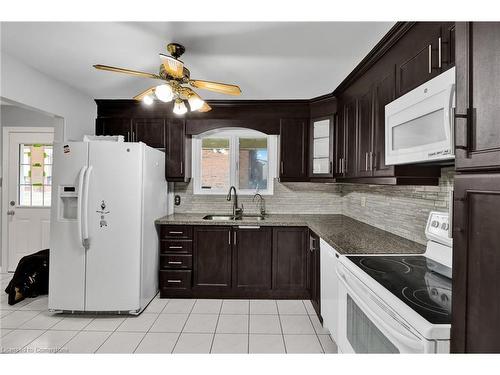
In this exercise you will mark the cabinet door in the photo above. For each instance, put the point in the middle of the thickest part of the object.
(212, 257)
(178, 152)
(114, 126)
(252, 256)
(476, 264)
(477, 125)
(420, 55)
(364, 140)
(384, 93)
(339, 151)
(151, 131)
(290, 258)
(448, 45)
(350, 135)
(321, 147)
(293, 148)
(314, 272)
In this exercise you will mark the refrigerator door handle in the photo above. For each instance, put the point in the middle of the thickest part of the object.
(85, 209)
(80, 203)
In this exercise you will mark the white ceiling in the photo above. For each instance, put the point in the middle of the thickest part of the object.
(268, 60)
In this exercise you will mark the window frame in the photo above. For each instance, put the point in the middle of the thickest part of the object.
(233, 134)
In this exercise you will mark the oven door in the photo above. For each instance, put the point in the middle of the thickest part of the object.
(367, 325)
(419, 125)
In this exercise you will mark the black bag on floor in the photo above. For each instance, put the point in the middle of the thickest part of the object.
(31, 278)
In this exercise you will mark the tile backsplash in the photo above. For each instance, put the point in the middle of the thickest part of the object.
(293, 198)
(401, 210)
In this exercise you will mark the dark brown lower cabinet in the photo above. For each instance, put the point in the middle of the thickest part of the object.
(476, 264)
(314, 273)
(212, 257)
(290, 258)
(252, 257)
(212, 261)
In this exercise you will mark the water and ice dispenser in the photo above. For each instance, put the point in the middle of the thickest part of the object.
(68, 203)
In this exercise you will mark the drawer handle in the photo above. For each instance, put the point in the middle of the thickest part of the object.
(174, 281)
(172, 262)
(174, 232)
(175, 247)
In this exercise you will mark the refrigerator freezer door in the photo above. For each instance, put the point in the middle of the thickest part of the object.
(114, 227)
(67, 255)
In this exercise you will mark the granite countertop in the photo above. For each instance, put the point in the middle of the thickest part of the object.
(346, 235)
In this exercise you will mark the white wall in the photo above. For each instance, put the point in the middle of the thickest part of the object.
(25, 85)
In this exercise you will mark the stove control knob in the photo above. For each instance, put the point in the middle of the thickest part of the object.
(435, 223)
(444, 226)
(444, 298)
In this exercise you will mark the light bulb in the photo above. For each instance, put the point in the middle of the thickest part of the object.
(164, 93)
(148, 100)
(179, 107)
(195, 102)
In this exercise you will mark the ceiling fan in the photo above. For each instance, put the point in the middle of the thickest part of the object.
(176, 84)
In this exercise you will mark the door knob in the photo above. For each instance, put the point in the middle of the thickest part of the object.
(11, 212)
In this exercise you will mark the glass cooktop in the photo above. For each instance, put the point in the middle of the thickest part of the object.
(421, 283)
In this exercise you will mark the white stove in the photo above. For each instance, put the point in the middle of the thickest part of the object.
(398, 303)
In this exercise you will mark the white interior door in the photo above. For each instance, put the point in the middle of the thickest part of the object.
(28, 193)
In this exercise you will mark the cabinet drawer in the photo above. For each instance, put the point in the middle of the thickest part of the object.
(175, 261)
(179, 279)
(176, 231)
(170, 246)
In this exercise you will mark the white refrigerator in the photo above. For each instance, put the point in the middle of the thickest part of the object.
(103, 240)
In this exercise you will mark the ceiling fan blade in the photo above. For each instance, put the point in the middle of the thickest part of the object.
(126, 71)
(222, 88)
(144, 93)
(205, 108)
(173, 67)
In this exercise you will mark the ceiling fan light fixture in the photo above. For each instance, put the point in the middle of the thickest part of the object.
(195, 102)
(148, 100)
(164, 93)
(179, 107)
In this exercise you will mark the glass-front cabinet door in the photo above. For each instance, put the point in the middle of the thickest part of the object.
(321, 165)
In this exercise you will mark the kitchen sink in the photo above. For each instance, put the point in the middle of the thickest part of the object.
(231, 217)
(219, 217)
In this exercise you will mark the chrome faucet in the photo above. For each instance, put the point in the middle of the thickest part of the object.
(237, 212)
(262, 203)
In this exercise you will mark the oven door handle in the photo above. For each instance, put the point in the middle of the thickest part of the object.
(410, 342)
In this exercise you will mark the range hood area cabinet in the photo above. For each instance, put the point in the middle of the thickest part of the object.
(409, 55)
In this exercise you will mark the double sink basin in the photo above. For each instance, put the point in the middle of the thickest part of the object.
(233, 217)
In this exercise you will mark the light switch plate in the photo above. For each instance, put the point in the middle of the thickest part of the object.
(363, 201)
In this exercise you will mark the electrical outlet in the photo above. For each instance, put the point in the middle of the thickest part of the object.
(177, 200)
(363, 201)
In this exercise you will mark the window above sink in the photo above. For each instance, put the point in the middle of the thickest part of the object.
(236, 157)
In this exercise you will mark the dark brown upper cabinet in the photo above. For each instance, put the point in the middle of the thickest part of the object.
(477, 115)
(421, 56)
(114, 126)
(212, 257)
(290, 258)
(293, 149)
(178, 151)
(321, 148)
(476, 264)
(384, 92)
(345, 138)
(365, 135)
(252, 258)
(339, 150)
(151, 131)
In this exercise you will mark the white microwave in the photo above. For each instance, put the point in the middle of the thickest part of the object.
(419, 124)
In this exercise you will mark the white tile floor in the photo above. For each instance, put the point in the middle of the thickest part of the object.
(166, 326)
